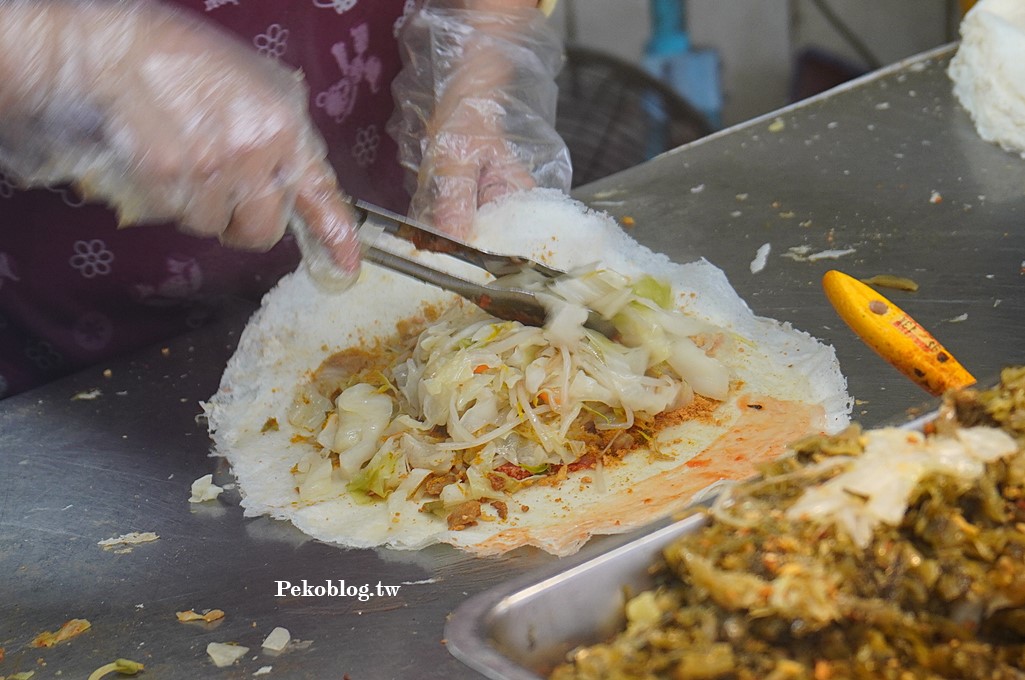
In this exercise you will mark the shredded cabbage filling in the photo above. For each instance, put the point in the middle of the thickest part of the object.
(478, 408)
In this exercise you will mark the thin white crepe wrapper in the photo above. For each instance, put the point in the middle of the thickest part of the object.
(298, 326)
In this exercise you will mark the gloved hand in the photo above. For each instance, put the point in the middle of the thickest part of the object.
(476, 108)
(166, 118)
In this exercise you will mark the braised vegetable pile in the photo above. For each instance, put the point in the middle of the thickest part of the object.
(914, 571)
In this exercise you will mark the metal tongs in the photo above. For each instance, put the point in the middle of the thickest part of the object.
(504, 302)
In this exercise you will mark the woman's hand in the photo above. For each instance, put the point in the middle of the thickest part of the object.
(476, 107)
(165, 118)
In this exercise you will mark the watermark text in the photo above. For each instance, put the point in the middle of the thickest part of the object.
(334, 588)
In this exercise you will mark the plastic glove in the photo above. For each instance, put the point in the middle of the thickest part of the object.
(166, 118)
(476, 109)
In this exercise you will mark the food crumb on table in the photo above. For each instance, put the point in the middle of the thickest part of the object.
(225, 653)
(87, 395)
(208, 616)
(761, 257)
(277, 640)
(129, 539)
(204, 489)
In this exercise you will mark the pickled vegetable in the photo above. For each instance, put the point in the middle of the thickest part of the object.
(936, 591)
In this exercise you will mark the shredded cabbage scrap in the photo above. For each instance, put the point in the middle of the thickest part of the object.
(481, 407)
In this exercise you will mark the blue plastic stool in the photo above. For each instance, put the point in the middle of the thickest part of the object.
(668, 56)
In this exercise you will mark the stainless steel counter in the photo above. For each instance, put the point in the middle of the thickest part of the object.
(890, 167)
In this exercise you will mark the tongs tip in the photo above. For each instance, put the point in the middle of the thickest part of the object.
(512, 302)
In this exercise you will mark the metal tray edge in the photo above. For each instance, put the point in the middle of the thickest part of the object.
(468, 640)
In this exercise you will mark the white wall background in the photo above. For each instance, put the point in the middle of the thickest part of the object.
(757, 39)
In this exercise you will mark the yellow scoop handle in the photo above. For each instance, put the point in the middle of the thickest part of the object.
(894, 335)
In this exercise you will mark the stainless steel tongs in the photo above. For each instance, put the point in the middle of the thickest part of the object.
(504, 302)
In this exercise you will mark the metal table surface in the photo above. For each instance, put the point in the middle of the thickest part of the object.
(889, 166)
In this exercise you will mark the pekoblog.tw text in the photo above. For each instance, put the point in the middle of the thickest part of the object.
(334, 588)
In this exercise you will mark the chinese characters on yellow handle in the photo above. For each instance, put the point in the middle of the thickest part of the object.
(894, 335)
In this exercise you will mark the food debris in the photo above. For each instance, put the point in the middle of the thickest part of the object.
(935, 197)
(891, 281)
(804, 254)
(204, 489)
(121, 666)
(87, 395)
(225, 653)
(209, 616)
(70, 629)
(777, 125)
(129, 539)
(758, 264)
(854, 569)
(830, 254)
(277, 640)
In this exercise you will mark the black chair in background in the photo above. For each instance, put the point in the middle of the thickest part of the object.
(614, 115)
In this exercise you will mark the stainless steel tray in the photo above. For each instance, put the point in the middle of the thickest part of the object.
(520, 630)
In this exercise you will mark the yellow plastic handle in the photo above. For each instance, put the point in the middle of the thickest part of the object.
(894, 335)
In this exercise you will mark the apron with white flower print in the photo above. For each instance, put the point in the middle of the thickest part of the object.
(75, 291)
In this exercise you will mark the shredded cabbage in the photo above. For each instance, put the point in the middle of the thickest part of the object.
(480, 406)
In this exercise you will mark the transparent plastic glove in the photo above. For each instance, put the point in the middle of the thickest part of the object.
(165, 118)
(476, 109)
